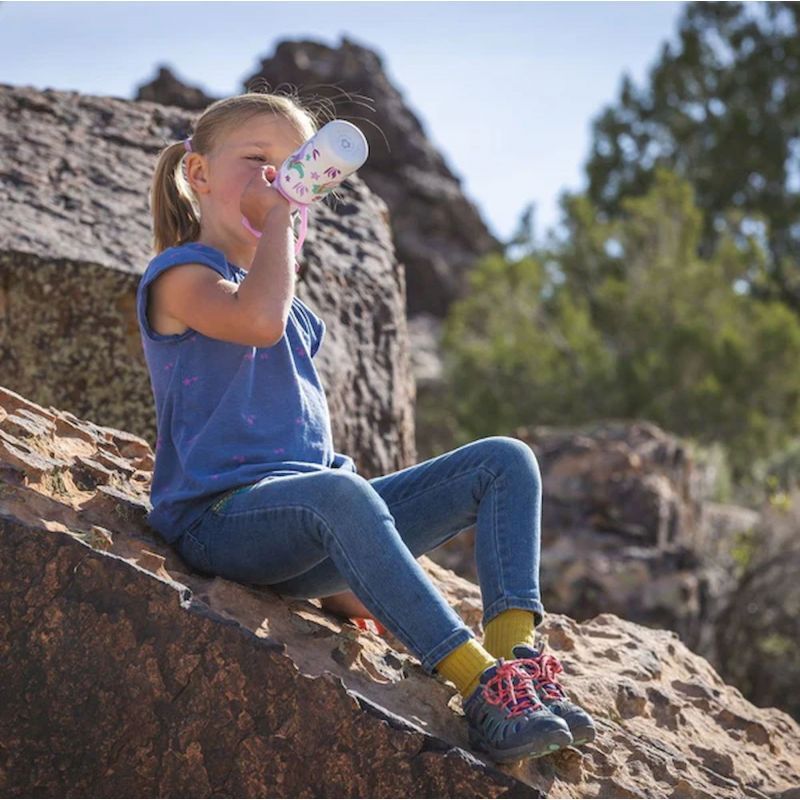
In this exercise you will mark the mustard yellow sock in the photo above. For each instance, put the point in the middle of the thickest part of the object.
(509, 627)
(464, 666)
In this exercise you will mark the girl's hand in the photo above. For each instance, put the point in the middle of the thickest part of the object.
(260, 197)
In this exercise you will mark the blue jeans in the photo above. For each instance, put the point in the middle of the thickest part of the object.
(314, 534)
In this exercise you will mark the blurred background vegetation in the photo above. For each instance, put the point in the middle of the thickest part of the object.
(670, 291)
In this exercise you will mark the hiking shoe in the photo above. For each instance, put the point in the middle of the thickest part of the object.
(543, 668)
(507, 720)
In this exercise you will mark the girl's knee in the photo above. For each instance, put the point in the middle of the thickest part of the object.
(344, 488)
(343, 480)
(512, 453)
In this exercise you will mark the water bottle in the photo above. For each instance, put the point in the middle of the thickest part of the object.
(332, 154)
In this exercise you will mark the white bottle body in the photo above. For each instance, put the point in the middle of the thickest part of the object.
(335, 151)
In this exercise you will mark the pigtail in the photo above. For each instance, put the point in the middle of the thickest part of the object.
(176, 216)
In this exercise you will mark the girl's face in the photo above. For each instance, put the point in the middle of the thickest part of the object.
(220, 177)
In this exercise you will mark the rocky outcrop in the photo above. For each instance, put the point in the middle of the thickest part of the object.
(438, 232)
(75, 236)
(626, 529)
(124, 673)
(167, 90)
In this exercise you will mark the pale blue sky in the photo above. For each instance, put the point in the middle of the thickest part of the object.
(506, 91)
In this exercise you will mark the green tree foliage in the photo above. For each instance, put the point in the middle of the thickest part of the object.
(721, 109)
(624, 320)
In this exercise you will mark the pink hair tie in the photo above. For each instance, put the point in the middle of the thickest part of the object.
(187, 143)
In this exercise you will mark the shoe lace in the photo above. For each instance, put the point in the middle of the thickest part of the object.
(543, 670)
(511, 688)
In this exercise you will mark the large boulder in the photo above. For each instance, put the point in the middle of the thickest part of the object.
(123, 673)
(75, 237)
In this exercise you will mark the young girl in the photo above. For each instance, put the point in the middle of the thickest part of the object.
(247, 484)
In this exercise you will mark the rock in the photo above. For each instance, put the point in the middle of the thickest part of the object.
(438, 232)
(167, 90)
(629, 480)
(124, 673)
(626, 529)
(424, 331)
(75, 238)
(435, 426)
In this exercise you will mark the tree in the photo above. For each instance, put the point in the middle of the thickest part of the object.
(722, 109)
(625, 320)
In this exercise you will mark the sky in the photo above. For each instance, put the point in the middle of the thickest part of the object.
(506, 91)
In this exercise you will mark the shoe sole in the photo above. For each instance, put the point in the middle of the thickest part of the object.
(558, 740)
(583, 735)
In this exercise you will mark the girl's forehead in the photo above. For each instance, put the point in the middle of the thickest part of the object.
(264, 140)
(266, 127)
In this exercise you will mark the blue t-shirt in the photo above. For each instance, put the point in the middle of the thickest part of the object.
(227, 414)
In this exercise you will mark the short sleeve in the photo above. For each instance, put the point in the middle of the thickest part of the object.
(171, 257)
(314, 325)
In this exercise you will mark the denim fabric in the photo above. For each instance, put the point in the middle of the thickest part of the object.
(309, 535)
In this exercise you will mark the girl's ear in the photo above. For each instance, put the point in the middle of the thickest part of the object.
(197, 167)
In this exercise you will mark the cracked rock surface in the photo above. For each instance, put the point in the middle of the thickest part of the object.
(75, 239)
(123, 673)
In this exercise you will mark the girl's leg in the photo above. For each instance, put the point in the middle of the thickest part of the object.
(494, 482)
(346, 605)
(281, 527)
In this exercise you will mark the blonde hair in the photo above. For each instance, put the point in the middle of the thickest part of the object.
(173, 206)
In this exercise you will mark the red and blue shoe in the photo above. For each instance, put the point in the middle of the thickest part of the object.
(543, 669)
(506, 718)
